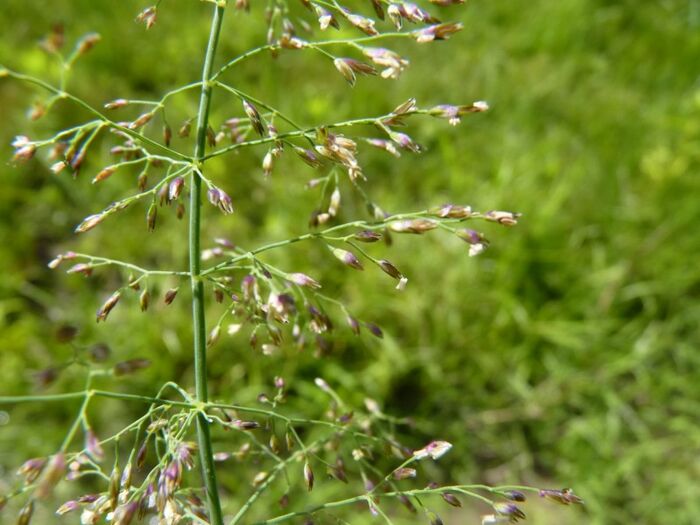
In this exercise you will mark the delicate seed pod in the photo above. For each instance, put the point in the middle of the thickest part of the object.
(53, 264)
(245, 425)
(114, 484)
(141, 456)
(259, 478)
(510, 511)
(144, 300)
(211, 137)
(175, 188)
(185, 129)
(268, 163)
(354, 324)
(116, 104)
(284, 501)
(130, 366)
(58, 167)
(322, 384)
(374, 330)
(367, 236)
(93, 446)
(163, 195)
(104, 174)
(405, 107)
(394, 11)
(76, 161)
(435, 519)
(170, 295)
(151, 217)
(452, 211)
(90, 222)
(364, 24)
(451, 499)
(563, 496)
(225, 203)
(167, 134)
(308, 476)
(514, 495)
(287, 41)
(308, 156)
(404, 473)
(107, 307)
(254, 116)
(302, 279)
(214, 335)
(416, 226)
(25, 514)
(141, 121)
(289, 440)
(68, 506)
(274, 444)
(347, 258)
(506, 218)
(222, 456)
(37, 111)
(322, 218)
(86, 43)
(83, 268)
(31, 469)
(404, 141)
(55, 470)
(434, 450)
(345, 70)
(477, 242)
(390, 269)
(142, 180)
(148, 16)
(436, 32)
(334, 204)
(214, 196)
(125, 513)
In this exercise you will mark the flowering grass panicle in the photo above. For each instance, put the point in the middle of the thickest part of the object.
(278, 309)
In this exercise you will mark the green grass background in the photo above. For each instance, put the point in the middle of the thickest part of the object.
(568, 354)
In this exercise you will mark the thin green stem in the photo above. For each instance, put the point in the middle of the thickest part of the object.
(355, 42)
(195, 260)
(80, 417)
(104, 261)
(365, 497)
(80, 102)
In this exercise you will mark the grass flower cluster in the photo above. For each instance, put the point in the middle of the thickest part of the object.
(141, 472)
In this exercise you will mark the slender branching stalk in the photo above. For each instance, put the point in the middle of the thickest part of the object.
(195, 230)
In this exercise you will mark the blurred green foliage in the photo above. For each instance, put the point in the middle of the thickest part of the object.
(566, 354)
